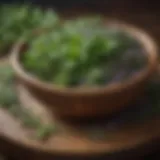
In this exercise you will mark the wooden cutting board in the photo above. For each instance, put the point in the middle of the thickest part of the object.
(70, 143)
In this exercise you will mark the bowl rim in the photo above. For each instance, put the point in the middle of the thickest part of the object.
(146, 41)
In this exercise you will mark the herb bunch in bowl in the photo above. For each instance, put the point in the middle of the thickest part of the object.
(81, 52)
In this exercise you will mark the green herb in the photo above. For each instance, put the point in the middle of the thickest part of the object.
(18, 20)
(9, 101)
(45, 131)
(78, 53)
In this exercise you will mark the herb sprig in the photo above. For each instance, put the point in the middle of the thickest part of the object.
(9, 101)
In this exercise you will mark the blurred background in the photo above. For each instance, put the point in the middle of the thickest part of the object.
(144, 14)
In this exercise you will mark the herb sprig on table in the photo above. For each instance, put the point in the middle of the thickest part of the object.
(9, 101)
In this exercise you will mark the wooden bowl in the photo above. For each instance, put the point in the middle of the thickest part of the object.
(90, 102)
